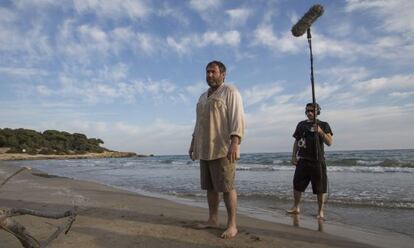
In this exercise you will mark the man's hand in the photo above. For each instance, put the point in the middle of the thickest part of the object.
(190, 153)
(294, 160)
(191, 149)
(232, 154)
(233, 149)
(326, 137)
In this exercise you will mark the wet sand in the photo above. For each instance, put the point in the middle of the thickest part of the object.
(109, 217)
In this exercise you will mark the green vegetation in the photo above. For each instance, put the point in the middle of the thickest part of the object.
(49, 142)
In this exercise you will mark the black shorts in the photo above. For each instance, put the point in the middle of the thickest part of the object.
(310, 171)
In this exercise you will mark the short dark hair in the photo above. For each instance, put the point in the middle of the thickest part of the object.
(318, 108)
(220, 65)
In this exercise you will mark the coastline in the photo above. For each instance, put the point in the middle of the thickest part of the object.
(110, 217)
(105, 154)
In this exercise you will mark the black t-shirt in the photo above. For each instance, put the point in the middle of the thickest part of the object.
(306, 139)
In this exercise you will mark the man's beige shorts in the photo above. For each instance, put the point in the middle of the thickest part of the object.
(217, 175)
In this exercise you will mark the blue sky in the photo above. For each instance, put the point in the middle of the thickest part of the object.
(130, 71)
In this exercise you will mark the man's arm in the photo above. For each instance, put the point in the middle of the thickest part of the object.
(326, 137)
(294, 160)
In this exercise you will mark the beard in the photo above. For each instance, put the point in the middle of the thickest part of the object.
(214, 83)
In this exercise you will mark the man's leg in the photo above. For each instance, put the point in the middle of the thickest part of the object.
(230, 200)
(296, 201)
(321, 205)
(301, 181)
(321, 185)
(213, 199)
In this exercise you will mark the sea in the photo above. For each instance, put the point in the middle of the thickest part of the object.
(368, 189)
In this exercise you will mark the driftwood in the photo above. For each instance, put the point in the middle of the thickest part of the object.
(19, 231)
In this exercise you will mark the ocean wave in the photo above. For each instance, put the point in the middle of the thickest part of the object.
(371, 163)
(344, 201)
(372, 203)
(359, 169)
(371, 169)
(283, 164)
(258, 167)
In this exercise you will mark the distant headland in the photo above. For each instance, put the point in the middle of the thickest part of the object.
(27, 144)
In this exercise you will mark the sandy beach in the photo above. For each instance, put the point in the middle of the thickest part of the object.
(109, 217)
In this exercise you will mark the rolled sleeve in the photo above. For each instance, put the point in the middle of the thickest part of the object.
(236, 113)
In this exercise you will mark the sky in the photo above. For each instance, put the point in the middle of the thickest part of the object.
(131, 71)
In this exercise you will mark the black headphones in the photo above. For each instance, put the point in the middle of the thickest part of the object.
(318, 108)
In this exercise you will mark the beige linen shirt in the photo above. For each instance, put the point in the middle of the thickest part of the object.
(219, 116)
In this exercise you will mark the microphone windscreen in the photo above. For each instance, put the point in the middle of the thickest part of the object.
(306, 21)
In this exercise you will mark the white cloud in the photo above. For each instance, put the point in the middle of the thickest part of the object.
(165, 138)
(167, 11)
(401, 94)
(349, 124)
(82, 43)
(114, 73)
(32, 43)
(24, 4)
(92, 34)
(382, 83)
(324, 46)
(270, 128)
(106, 85)
(346, 74)
(128, 129)
(203, 5)
(7, 16)
(259, 93)
(116, 9)
(187, 43)
(196, 89)
(396, 14)
(25, 72)
(231, 38)
(182, 46)
(380, 47)
(91, 128)
(238, 17)
(264, 35)
(125, 38)
(44, 90)
(345, 28)
(160, 87)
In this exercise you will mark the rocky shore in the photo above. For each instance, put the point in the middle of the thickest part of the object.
(106, 154)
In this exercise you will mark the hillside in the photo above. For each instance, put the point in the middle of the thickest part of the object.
(50, 142)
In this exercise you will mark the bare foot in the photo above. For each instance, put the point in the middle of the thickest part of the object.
(205, 225)
(320, 216)
(293, 211)
(230, 232)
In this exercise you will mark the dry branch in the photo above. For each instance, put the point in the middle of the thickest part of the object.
(19, 231)
(14, 174)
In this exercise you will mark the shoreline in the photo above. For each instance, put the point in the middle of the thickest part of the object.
(370, 237)
(110, 217)
(105, 154)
